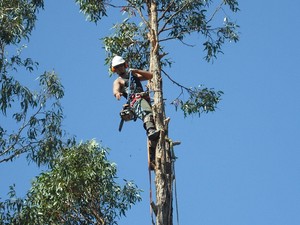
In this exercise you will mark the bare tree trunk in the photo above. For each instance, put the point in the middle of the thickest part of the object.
(163, 168)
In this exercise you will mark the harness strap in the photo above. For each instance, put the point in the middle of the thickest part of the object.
(136, 96)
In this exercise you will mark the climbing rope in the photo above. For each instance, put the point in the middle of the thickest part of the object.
(150, 185)
(173, 159)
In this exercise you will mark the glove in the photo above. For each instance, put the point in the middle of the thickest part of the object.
(131, 70)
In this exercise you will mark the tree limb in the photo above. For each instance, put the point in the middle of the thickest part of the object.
(165, 11)
(171, 17)
(175, 82)
(17, 137)
(216, 11)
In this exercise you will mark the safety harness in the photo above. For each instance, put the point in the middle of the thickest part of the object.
(128, 111)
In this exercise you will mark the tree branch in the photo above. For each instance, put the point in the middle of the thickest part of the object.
(165, 11)
(171, 17)
(16, 139)
(175, 82)
(180, 34)
(216, 11)
(138, 9)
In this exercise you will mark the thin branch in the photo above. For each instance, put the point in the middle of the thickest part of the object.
(180, 34)
(171, 17)
(175, 82)
(99, 219)
(12, 156)
(22, 149)
(215, 12)
(115, 6)
(142, 17)
(165, 11)
(2, 53)
(18, 135)
(189, 45)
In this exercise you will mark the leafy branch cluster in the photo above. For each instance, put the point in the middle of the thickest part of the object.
(177, 19)
(80, 186)
(80, 189)
(93, 9)
(182, 18)
(17, 19)
(201, 99)
(37, 115)
(129, 40)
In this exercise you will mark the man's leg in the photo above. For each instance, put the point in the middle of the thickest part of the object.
(144, 112)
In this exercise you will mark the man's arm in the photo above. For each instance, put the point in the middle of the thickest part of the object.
(142, 74)
(117, 89)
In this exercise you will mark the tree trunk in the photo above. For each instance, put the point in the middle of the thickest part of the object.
(163, 168)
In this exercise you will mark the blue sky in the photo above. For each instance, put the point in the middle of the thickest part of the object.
(237, 166)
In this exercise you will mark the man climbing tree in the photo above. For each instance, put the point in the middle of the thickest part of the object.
(128, 84)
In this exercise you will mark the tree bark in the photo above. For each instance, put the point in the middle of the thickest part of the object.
(163, 166)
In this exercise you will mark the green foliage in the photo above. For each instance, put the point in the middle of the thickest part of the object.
(177, 20)
(93, 9)
(233, 4)
(34, 117)
(187, 17)
(37, 115)
(17, 19)
(79, 189)
(10, 208)
(200, 100)
(130, 41)
(212, 45)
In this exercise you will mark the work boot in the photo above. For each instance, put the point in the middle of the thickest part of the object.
(153, 134)
(149, 126)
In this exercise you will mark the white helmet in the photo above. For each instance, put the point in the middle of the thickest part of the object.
(117, 60)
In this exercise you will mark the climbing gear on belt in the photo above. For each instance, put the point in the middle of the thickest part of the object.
(138, 104)
(135, 97)
(127, 112)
